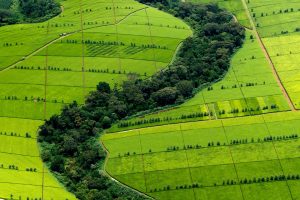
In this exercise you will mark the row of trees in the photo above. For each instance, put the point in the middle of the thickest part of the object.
(27, 135)
(69, 141)
(117, 7)
(218, 143)
(124, 124)
(34, 99)
(161, 25)
(274, 12)
(231, 182)
(51, 68)
(114, 43)
(6, 44)
(262, 179)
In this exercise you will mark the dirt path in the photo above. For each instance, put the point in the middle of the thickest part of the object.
(267, 55)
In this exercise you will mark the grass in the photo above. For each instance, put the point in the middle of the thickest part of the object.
(19, 149)
(41, 71)
(277, 24)
(223, 151)
(248, 85)
(198, 161)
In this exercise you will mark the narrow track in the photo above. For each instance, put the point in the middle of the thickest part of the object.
(267, 55)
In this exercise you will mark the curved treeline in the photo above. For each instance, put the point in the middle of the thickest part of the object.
(69, 140)
(20, 11)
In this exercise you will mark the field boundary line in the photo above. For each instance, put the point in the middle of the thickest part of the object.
(143, 162)
(17, 154)
(233, 162)
(271, 64)
(45, 103)
(117, 37)
(278, 158)
(188, 163)
(151, 40)
(82, 52)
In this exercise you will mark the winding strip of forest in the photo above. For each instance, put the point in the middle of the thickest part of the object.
(69, 141)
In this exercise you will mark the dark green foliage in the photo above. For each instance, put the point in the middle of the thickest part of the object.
(70, 140)
(27, 11)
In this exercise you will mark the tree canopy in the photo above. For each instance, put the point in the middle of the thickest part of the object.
(70, 140)
(19, 11)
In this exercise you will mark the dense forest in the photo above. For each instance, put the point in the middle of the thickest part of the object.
(20, 11)
(69, 140)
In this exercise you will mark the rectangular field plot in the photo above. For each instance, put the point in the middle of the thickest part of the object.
(174, 194)
(8, 189)
(165, 161)
(291, 166)
(209, 156)
(268, 191)
(122, 146)
(18, 145)
(21, 162)
(221, 192)
(172, 178)
(202, 137)
(125, 165)
(136, 181)
(253, 152)
(8, 125)
(294, 186)
(209, 176)
(246, 132)
(259, 169)
(161, 142)
(288, 149)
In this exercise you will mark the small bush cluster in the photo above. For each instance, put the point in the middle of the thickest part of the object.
(12, 44)
(51, 68)
(31, 169)
(27, 135)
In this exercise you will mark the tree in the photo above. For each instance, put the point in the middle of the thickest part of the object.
(106, 122)
(57, 164)
(185, 88)
(103, 87)
(165, 96)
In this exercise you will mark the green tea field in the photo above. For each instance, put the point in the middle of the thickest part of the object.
(235, 139)
(243, 158)
(45, 66)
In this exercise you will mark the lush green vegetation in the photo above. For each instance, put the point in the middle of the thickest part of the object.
(278, 25)
(69, 140)
(45, 66)
(19, 11)
(43, 69)
(249, 88)
(255, 157)
(240, 158)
